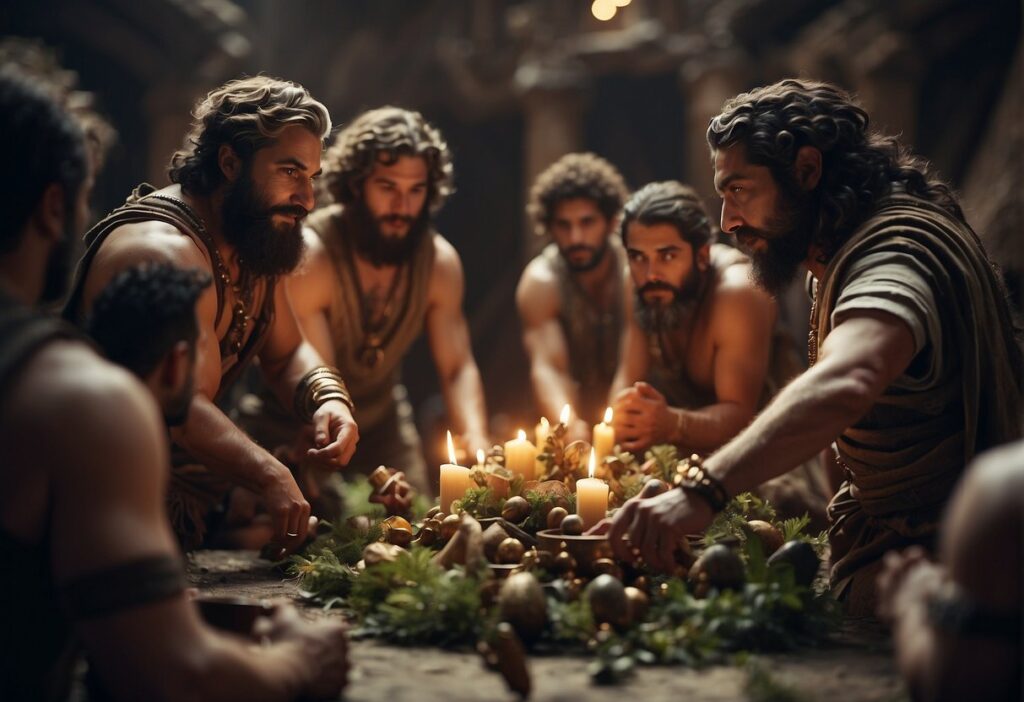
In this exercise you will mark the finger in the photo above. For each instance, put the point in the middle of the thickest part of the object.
(599, 529)
(647, 391)
(617, 531)
(321, 425)
(638, 533)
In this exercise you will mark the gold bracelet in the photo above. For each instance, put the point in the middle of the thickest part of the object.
(318, 386)
(691, 477)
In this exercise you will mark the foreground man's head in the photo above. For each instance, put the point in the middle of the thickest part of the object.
(392, 170)
(255, 144)
(576, 202)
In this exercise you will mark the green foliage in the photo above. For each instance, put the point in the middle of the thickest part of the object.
(762, 686)
(413, 601)
(481, 503)
(667, 457)
(322, 576)
(540, 504)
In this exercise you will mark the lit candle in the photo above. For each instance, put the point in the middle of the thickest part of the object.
(541, 432)
(591, 497)
(454, 479)
(604, 436)
(481, 458)
(521, 456)
(565, 415)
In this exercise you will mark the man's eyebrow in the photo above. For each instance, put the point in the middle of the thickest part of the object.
(669, 247)
(721, 185)
(292, 161)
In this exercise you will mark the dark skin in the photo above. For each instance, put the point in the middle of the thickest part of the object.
(858, 360)
(284, 172)
(84, 462)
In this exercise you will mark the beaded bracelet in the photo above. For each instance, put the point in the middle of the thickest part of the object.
(318, 386)
(691, 477)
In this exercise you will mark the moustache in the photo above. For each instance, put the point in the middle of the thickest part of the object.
(655, 285)
(397, 219)
(579, 248)
(291, 210)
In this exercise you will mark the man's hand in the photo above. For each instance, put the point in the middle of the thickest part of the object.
(908, 579)
(651, 529)
(642, 417)
(288, 510)
(324, 644)
(335, 435)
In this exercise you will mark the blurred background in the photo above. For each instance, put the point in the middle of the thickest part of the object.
(514, 84)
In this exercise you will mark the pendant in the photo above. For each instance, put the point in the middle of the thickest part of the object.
(371, 356)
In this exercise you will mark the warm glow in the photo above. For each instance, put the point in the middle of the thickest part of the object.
(545, 423)
(451, 449)
(603, 10)
(480, 457)
(621, 3)
(564, 416)
(608, 416)
(521, 435)
(592, 465)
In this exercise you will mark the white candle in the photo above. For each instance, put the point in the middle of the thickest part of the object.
(521, 456)
(604, 436)
(454, 479)
(541, 431)
(591, 497)
(565, 415)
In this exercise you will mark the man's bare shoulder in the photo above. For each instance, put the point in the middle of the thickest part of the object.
(315, 257)
(538, 289)
(447, 263)
(71, 394)
(150, 241)
(736, 294)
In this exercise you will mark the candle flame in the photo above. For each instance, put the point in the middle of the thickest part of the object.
(451, 449)
(564, 416)
(521, 435)
(608, 416)
(592, 465)
(480, 457)
(545, 423)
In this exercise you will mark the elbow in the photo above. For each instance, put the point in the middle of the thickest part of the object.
(856, 390)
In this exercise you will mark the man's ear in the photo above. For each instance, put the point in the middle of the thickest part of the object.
(229, 162)
(807, 167)
(51, 212)
(703, 257)
(176, 366)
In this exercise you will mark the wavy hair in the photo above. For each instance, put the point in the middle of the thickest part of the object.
(385, 134)
(858, 166)
(579, 175)
(669, 202)
(247, 115)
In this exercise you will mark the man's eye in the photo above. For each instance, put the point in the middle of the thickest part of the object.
(290, 172)
(736, 189)
(668, 256)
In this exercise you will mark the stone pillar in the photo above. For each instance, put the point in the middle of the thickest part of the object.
(553, 126)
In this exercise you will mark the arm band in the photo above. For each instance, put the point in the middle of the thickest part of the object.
(318, 386)
(692, 478)
(123, 586)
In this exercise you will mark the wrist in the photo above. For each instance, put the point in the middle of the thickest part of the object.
(695, 480)
(674, 426)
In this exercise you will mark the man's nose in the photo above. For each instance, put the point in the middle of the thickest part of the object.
(731, 219)
(304, 196)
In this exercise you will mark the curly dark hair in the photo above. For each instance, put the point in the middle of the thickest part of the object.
(144, 311)
(385, 134)
(581, 175)
(247, 114)
(668, 202)
(858, 166)
(45, 144)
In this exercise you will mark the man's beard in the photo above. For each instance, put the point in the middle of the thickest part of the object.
(787, 237)
(176, 409)
(57, 276)
(382, 249)
(662, 317)
(265, 249)
(597, 255)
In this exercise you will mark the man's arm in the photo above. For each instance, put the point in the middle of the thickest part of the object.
(538, 301)
(309, 288)
(207, 433)
(634, 358)
(448, 334)
(108, 468)
(860, 358)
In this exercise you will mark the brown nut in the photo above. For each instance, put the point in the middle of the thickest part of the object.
(427, 536)
(399, 537)
(606, 566)
(771, 538)
(516, 509)
(563, 563)
(510, 550)
(545, 559)
(433, 512)
(572, 525)
(493, 536)
(639, 603)
(555, 517)
(449, 525)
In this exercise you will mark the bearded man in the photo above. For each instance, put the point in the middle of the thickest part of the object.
(376, 273)
(241, 188)
(915, 367)
(570, 296)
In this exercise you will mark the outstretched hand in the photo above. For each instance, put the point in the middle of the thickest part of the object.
(335, 435)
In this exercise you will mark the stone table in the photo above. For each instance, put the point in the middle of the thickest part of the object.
(856, 665)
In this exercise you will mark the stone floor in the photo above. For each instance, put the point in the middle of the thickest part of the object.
(855, 666)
